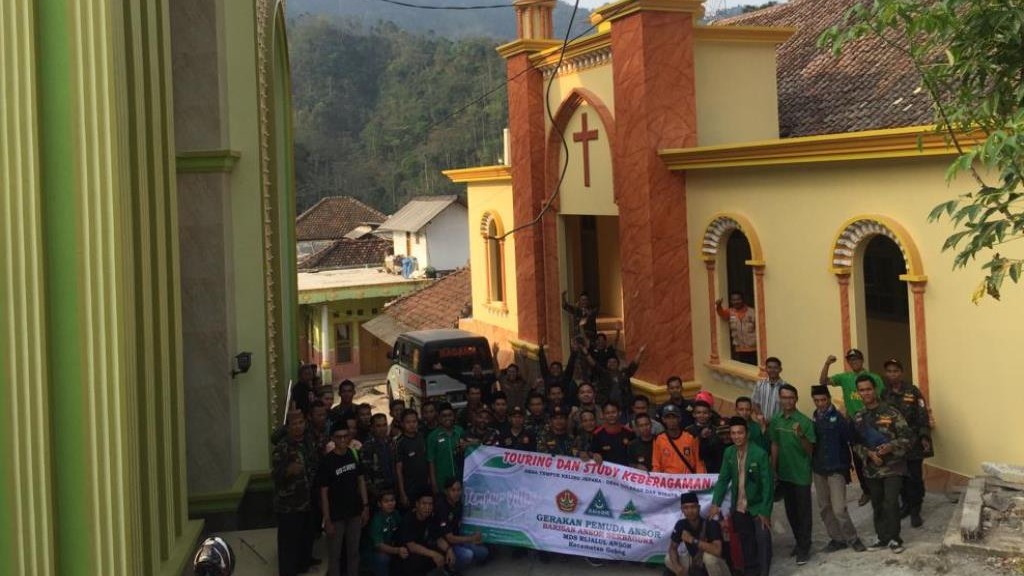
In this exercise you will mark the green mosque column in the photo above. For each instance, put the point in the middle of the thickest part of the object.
(96, 343)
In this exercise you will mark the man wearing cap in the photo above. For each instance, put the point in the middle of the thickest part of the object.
(852, 401)
(883, 439)
(556, 440)
(517, 437)
(705, 429)
(676, 451)
(747, 476)
(831, 466)
(908, 399)
(793, 438)
(702, 540)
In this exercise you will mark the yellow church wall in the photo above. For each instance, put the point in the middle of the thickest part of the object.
(495, 198)
(575, 197)
(796, 212)
(742, 105)
(596, 80)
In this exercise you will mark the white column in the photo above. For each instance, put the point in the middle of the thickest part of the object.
(326, 342)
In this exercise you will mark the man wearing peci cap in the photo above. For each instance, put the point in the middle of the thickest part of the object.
(831, 465)
(908, 399)
(556, 440)
(702, 540)
(852, 401)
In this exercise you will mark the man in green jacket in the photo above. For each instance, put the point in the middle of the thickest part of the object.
(747, 475)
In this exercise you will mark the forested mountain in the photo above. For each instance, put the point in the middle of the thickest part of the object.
(499, 24)
(375, 110)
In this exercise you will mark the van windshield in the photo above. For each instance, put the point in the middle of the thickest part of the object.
(456, 358)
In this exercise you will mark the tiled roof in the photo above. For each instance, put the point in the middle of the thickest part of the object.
(417, 213)
(437, 305)
(369, 251)
(870, 86)
(333, 217)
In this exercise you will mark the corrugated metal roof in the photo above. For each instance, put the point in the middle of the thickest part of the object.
(417, 213)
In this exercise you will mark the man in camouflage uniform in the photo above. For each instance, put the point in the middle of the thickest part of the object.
(883, 439)
(536, 415)
(556, 440)
(479, 433)
(906, 398)
(291, 496)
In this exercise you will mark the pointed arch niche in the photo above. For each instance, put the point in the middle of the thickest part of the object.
(847, 255)
(714, 253)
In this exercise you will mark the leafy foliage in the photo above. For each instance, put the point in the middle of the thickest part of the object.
(373, 110)
(970, 54)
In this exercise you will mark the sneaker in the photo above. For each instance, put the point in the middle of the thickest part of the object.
(802, 558)
(916, 521)
(896, 547)
(864, 499)
(878, 545)
(857, 546)
(834, 546)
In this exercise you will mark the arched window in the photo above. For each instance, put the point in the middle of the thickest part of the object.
(735, 265)
(885, 315)
(491, 230)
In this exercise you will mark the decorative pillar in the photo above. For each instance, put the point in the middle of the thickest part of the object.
(709, 264)
(844, 308)
(920, 336)
(655, 108)
(762, 329)
(325, 343)
(526, 118)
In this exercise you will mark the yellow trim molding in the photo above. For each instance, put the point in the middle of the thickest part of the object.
(519, 46)
(498, 173)
(868, 145)
(755, 34)
(575, 49)
(616, 10)
(659, 392)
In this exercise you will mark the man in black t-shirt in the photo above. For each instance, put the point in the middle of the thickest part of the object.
(702, 540)
(468, 549)
(428, 550)
(343, 502)
(641, 449)
(411, 470)
(611, 441)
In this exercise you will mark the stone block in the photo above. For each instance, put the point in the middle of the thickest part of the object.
(1006, 472)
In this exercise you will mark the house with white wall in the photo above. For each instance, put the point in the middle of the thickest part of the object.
(432, 229)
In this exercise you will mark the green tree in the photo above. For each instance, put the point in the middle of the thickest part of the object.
(970, 55)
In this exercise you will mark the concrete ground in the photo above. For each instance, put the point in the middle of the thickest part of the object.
(924, 555)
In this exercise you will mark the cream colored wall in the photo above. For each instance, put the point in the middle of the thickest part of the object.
(597, 80)
(741, 105)
(495, 198)
(796, 212)
(575, 197)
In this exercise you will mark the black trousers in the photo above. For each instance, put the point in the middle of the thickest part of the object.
(292, 535)
(756, 542)
(798, 512)
(885, 504)
(858, 467)
(912, 493)
(416, 565)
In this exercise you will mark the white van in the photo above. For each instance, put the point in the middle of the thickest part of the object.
(434, 364)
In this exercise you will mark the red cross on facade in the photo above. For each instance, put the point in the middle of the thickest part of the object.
(585, 136)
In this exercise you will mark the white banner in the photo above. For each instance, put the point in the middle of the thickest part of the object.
(562, 504)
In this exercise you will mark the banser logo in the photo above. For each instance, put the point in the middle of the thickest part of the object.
(599, 506)
(567, 501)
(630, 513)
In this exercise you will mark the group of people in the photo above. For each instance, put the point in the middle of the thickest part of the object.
(394, 480)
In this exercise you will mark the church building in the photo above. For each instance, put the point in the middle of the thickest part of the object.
(702, 160)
